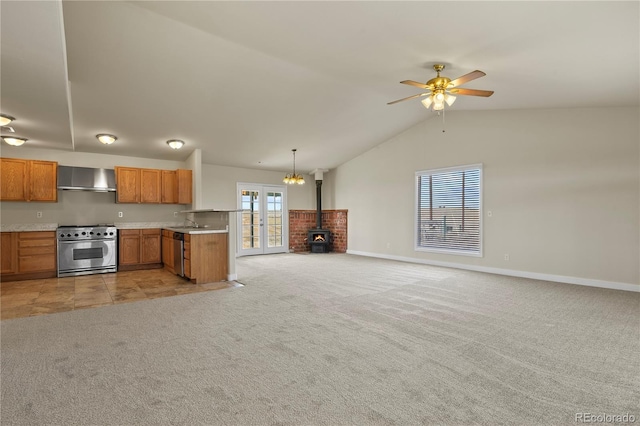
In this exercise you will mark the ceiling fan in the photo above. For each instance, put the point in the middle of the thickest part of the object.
(442, 89)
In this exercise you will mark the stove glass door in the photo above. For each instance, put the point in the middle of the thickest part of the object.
(85, 257)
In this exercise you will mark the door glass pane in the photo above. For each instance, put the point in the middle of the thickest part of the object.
(250, 219)
(274, 219)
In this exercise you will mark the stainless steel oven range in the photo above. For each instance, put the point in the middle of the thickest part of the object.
(84, 250)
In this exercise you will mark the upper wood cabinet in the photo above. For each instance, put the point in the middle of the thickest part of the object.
(150, 186)
(127, 185)
(169, 187)
(185, 186)
(135, 185)
(28, 180)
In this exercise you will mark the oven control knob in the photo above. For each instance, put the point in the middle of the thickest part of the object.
(76, 235)
(98, 233)
(91, 233)
(84, 233)
(61, 235)
(68, 235)
(110, 233)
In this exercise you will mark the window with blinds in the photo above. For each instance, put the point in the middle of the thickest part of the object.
(449, 210)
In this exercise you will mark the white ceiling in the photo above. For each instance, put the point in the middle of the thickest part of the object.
(246, 82)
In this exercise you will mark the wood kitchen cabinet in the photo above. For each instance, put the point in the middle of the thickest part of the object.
(8, 253)
(205, 257)
(185, 186)
(135, 185)
(169, 187)
(28, 180)
(139, 249)
(150, 186)
(167, 250)
(28, 255)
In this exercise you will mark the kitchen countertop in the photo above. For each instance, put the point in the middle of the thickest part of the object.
(171, 226)
(28, 227)
(184, 230)
(147, 225)
(211, 210)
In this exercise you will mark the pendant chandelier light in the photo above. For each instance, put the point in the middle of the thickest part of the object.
(293, 178)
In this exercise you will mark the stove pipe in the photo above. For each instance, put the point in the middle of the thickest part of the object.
(319, 204)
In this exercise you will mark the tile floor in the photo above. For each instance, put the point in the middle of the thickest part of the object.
(47, 296)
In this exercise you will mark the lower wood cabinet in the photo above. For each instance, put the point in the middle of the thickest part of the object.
(28, 255)
(167, 250)
(8, 253)
(205, 257)
(139, 249)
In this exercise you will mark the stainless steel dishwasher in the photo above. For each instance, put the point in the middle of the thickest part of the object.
(178, 253)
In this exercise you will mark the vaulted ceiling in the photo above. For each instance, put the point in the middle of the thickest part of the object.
(245, 82)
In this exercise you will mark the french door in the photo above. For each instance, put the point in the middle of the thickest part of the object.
(263, 221)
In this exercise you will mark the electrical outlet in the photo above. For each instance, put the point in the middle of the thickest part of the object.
(39, 215)
(506, 257)
(175, 214)
(489, 213)
(388, 245)
(120, 214)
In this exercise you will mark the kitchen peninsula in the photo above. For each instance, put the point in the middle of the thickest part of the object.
(205, 251)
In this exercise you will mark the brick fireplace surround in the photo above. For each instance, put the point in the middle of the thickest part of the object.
(301, 221)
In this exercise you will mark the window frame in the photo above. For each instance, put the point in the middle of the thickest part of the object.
(416, 231)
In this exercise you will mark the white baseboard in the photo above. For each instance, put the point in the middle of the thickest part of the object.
(232, 277)
(510, 272)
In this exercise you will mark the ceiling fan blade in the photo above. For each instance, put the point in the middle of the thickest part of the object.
(410, 97)
(467, 77)
(471, 92)
(415, 83)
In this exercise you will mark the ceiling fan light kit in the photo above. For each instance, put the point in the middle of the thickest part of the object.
(442, 89)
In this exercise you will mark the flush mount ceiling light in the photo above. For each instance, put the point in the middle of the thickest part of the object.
(5, 119)
(293, 178)
(11, 140)
(106, 139)
(175, 143)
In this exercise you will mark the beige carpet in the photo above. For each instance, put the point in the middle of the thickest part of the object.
(332, 340)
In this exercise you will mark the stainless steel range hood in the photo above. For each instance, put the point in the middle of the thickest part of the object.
(86, 179)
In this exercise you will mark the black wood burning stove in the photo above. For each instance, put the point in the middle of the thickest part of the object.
(319, 239)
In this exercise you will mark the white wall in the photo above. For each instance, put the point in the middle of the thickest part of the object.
(219, 185)
(85, 208)
(563, 187)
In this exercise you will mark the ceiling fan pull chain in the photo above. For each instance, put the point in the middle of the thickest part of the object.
(442, 120)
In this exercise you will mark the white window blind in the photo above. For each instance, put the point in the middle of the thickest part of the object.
(449, 210)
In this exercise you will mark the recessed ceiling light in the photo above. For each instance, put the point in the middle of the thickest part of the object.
(106, 139)
(5, 119)
(175, 143)
(14, 141)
